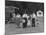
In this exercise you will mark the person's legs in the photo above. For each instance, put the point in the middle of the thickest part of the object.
(33, 22)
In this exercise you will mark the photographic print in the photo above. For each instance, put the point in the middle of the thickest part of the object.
(22, 17)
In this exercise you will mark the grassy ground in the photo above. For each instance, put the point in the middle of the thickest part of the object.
(11, 28)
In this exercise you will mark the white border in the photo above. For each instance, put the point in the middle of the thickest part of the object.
(2, 17)
(29, 0)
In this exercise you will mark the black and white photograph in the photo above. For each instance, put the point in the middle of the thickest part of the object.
(23, 17)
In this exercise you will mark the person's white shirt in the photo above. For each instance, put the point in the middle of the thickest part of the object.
(34, 15)
(25, 15)
(18, 15)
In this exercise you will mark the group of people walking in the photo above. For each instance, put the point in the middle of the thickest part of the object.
(25, 20)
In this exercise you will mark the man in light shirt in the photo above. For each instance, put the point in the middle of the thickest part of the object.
(25, 17)
(33, 19)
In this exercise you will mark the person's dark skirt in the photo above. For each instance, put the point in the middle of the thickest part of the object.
(25, 23)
